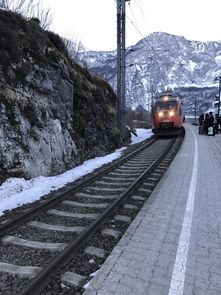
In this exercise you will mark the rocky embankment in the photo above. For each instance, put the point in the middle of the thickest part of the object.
(53, 113)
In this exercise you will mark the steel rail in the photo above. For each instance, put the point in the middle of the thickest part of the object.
(30, 213)
(37, 285)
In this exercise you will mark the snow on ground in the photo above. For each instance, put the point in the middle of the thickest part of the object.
(15, 192)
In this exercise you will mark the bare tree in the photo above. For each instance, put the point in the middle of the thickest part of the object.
(73, 45)
(29, 9)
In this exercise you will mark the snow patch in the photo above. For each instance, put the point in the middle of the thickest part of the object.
(218, 59)
(191, 65)
(15, 192)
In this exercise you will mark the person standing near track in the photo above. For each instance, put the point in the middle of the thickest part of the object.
(211, 119)
(206, 123)
(201, 119)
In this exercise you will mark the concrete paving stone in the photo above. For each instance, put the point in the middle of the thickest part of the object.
(115, 289)
(152, 229)
(168, 248)
(215, 282)
(140, 289)
(198, 282)
(166, 261)
(161, 276)
(193, 290)
(124, 261)
(140, 251)
(150, 245)
(195, 249)
(171, 237)
(208, 261)
(146, 272)
(122, 270)
(115, 276)
(152, 235)
(131, 281)
(156, 289)
(174, 228)
(200, 270)
(138, 257)
(137, 265)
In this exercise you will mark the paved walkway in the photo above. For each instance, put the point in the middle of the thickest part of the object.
(173, 247)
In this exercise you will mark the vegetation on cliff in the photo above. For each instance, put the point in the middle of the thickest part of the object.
(54, 113)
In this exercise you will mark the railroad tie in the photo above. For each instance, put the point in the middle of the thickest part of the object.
(90, 196)
(111, 233)
(33, 244)
(73, 215)
(95, 251)
(72, 279)
(122, 218)
(87, 205)
(76, 229)
(21, 271)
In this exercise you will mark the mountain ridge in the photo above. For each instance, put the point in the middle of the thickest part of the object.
(161, 61)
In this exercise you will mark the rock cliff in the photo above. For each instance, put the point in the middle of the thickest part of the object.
(53, 113)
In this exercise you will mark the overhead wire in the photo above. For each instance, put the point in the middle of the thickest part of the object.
(155, 36)
(146, 41)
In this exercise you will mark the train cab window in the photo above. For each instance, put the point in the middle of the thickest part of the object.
(169, 105)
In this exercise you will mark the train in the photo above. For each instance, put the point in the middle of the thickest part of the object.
(167, 115)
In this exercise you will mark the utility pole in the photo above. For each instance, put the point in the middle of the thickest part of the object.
(219, 97)
(121, 66)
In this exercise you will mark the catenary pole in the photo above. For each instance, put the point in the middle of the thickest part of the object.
(121, 66)
(119, 29)
(219, 97)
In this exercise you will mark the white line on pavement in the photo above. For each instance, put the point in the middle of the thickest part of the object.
(179, 270)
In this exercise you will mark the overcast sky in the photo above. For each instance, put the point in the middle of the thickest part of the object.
(94, 21)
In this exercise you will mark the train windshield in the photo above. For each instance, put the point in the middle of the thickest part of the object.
(165, 106)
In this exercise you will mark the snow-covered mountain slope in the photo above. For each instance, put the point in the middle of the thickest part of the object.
(163, 61)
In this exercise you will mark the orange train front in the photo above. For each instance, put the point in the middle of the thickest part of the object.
(167, 114)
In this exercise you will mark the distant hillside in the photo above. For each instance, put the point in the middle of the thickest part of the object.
(53, 113)
(163, 61)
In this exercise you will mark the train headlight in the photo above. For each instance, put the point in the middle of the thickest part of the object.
(160, 114)
(171, 113)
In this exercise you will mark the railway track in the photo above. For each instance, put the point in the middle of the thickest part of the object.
(53, 248)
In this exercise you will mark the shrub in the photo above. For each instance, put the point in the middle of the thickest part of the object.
(57, 42)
